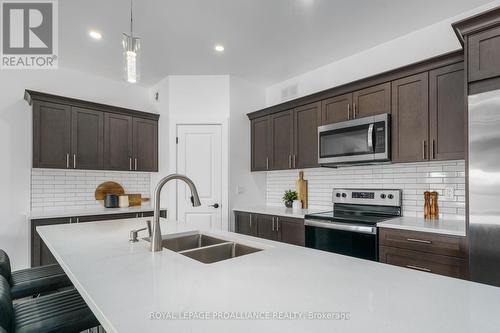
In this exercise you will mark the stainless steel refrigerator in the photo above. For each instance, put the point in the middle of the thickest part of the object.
(484, 187)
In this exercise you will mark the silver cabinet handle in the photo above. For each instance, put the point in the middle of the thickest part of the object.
(277, 224)
(433, 148)
(423, 269)
(136, 164)
(74, 161)
(423, 150)
(289, 161)
(294, 161)
(354, 110)
(67, 160)
(348, 111)
(130, 163)
(267, 163)
(419, 241)
(77, 220)
(250, 221)
(273, 223)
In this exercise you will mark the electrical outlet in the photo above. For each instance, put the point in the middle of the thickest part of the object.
(449, 193)
(240, 189)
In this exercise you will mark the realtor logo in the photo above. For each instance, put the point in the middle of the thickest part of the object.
(29, 34)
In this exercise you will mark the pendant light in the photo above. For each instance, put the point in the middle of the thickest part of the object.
(131, 48)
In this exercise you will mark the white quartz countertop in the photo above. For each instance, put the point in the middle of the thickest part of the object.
(441, 226)
(88, 212)
(276, 211)
(124, 284)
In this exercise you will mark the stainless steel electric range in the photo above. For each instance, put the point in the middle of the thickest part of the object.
(351, 228)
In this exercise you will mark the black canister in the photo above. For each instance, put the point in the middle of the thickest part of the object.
(111, 201)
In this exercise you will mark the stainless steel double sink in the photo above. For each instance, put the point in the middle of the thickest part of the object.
(204, 248)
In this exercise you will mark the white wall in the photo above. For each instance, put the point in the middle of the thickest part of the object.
(245, 188)
(16, 134)
(189, 99)
(428, 42)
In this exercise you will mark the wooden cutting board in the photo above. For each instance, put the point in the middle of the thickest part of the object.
(134, 200)
(301, 187)
(108, 188)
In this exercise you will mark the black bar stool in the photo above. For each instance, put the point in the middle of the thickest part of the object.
(64, 311)
(32, 281)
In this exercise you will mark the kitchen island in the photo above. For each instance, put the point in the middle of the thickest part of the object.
(130, 289)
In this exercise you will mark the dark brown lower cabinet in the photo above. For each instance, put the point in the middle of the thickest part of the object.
(40, 253)
(245, 224)
(426, 252)
(277, 228)
(425, 262)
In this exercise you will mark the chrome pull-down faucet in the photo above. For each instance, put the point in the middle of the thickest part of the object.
(156, 241)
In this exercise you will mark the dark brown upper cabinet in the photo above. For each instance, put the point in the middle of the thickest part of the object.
(484, 55)
(480, 36)
(74, 134)
(145, 144)
(447, 113)
(260, 143)
(281, 148)
(51, 135)
(372, 101)
(87, 135)
(410, 118)
(118, 140)
(336, 109)
(307, 119)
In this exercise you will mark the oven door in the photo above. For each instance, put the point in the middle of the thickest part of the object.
(354, 141)
(351, 240)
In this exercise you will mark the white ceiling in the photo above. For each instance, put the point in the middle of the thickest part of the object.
(266, 40)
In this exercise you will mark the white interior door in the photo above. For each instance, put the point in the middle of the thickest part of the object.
(199, 156)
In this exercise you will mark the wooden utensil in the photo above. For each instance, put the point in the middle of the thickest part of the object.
(134, 199)
(301, 187)
(108, 188)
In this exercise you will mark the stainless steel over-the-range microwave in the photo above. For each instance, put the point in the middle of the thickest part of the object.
(363, 140)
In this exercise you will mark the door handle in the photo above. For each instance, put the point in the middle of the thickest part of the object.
(353, 110)
(136, 164)
(215, 205)
(74, 161)
(277, 224)
(370, 137)
(67, 160)
(273, 223)
(130, 163)
(289, 161)
(348, 111)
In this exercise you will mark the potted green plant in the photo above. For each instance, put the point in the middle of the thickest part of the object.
(288, 198)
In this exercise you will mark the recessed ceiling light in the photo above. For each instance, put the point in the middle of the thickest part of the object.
(219, 48)
(95, 34)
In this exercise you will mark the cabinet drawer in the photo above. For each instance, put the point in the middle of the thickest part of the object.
(425, 262)
(452, 246)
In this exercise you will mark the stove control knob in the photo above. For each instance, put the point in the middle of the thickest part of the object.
(344, 195)
(390, 196)
(337, 195)
(382, 196)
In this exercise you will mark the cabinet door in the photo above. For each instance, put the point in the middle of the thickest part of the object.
(51, 135)
(40, 253)
(336, 109)
(261, 138)
(484, 55)
(145, 145)
(291, 231)
(281, 140)
(266, 227)
(447, 113)
(117, 142)
(245, 224)
(410, 121)
(87, 139)
(306, 121)
(372, 101)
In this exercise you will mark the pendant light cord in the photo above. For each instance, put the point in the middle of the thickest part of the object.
(131, 19)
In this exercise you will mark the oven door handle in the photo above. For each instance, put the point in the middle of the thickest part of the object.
(370, 137)
(342, 226)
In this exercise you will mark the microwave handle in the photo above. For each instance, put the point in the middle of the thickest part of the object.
(370, 137)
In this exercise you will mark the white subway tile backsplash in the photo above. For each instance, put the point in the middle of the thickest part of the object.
(74, 189)
(412, 178)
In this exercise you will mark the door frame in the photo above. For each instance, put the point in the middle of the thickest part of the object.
(173, 161)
